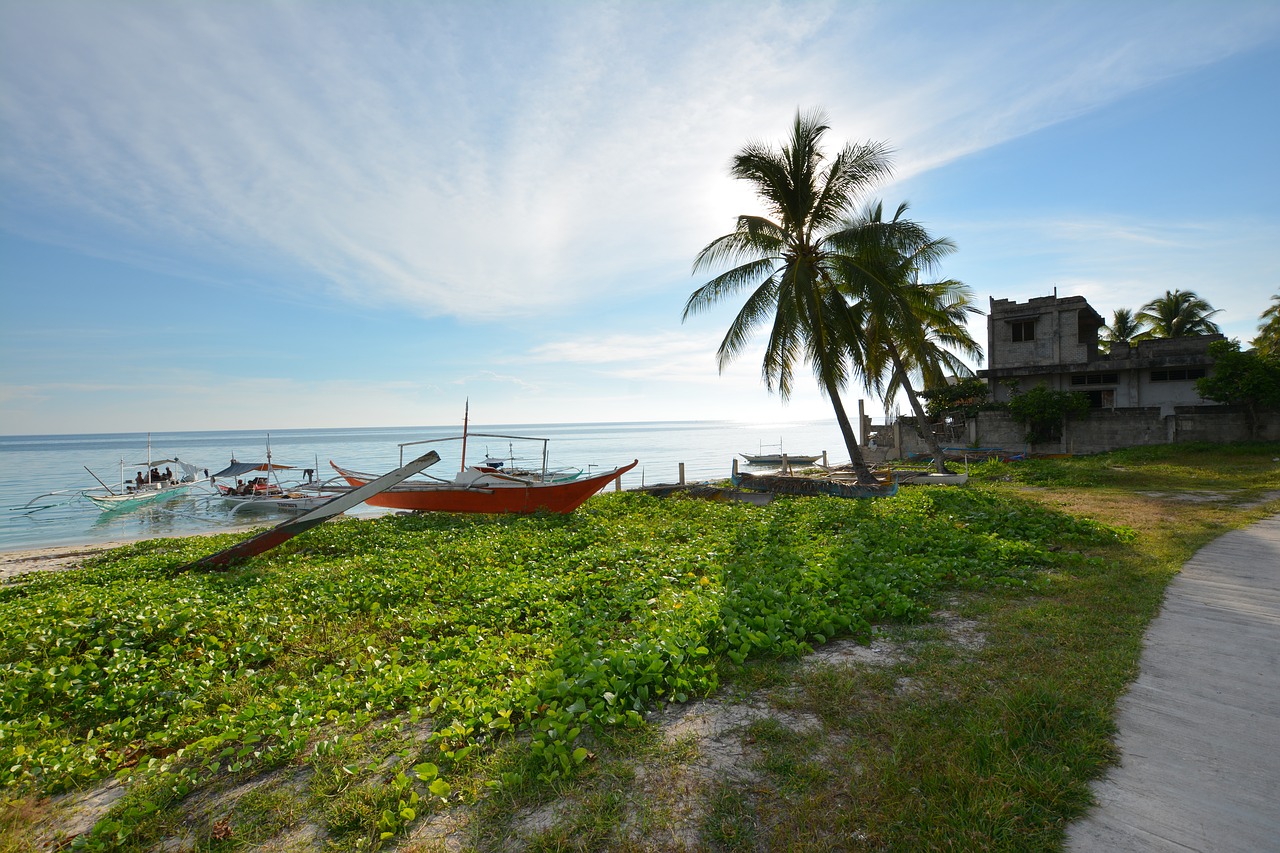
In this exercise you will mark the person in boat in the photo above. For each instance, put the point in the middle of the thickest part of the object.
(168, 474)
(138, 479)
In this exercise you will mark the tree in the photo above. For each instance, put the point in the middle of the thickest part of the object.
(964, 398)
(1043, 412)
(789, 265)
(909, 329)
(1177, 314)
(1246, 379)
(1267, 343)
(1123, 329)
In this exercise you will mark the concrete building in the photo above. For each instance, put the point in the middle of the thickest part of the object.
(1054, 341)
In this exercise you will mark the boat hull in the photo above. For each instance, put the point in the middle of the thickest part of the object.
(512, 498)
(774, 459)
(113, 503)
(807, 486)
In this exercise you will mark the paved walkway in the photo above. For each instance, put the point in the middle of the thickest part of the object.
(1199, 730)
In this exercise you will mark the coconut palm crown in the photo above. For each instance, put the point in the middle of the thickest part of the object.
(788, 264)
(1179, 313)
(1267, 343)
(909, 329)
(1124, 328)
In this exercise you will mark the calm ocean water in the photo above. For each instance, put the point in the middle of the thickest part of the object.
(34, 464)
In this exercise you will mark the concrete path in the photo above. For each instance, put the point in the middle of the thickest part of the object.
(1199, 730)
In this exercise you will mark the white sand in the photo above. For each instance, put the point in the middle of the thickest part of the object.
(59, 558)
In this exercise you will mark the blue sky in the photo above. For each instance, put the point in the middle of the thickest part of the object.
(268, 215)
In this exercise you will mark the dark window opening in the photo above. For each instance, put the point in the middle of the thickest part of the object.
(1178, 374)
(1024, 330)
(1095, 379)
(1103, 399)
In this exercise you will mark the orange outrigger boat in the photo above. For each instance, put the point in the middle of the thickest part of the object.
(485, 488)
(481, 488)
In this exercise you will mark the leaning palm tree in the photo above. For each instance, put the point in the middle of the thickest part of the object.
(910, 330)
(1179, 313)
(1124, 328)
(788, 264)
(1267, 343)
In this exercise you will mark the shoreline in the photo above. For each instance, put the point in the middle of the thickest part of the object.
(60, 558)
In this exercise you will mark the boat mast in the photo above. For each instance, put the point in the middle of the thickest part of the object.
(466, 414)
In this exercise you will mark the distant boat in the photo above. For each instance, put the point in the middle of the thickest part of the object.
(258, 488)
(150, 485)
(813, 486)
(779, 458)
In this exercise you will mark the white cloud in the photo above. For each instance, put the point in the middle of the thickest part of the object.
(448, 160)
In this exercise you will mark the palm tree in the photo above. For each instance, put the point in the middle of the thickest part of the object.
(909, 329)
(1124, 328)
(1179, 313)
(787, 262)
(1267, 343)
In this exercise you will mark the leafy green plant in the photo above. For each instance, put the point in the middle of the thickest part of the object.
(1043, 411)
(472, 629)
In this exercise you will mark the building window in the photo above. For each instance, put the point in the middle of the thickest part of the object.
(1104, 399)
(1023, 330)
(1095, 379)
(1177, 374)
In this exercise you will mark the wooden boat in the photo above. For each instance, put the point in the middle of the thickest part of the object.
(485, 489)
(312, 517)
(258, 487)
(150, 485)
(779, 458)
(929, 478)
(780, 485)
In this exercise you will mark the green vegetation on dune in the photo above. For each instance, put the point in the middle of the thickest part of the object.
(483, 625)
(374, 676)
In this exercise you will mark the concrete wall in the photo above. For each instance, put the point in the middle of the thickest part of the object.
(1111, 429)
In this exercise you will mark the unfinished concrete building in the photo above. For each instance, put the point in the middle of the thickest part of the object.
(1053, 340)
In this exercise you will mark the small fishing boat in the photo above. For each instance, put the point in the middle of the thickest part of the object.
(479, 488)
(257, 487)
(779, 458)
(149, 485)
(813, 486)
(486, 488)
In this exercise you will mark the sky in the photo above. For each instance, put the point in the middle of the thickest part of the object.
(258, 215)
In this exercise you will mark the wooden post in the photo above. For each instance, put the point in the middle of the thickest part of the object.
(735, 467)
(825, 464)
(862, 423)
(617, 483)
(682, 473)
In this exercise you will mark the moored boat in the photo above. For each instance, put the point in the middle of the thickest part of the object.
(149, 485)
(813, 486)
(484, 489)
(780, 458)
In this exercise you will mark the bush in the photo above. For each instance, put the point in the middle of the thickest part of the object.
(1043, 412)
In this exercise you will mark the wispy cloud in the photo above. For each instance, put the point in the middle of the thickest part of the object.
(563, 145)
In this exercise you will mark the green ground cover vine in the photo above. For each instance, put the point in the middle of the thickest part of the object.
(476, 628)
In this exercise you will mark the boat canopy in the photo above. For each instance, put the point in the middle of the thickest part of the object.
(236, 469)
(186, 470)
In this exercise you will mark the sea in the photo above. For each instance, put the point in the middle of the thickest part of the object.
(42, 476)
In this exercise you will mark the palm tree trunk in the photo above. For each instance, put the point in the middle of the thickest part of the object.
(922, 426)
(850, 439)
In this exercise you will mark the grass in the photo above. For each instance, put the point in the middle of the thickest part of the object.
(412, 683)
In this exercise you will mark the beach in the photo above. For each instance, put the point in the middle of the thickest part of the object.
(57, 558)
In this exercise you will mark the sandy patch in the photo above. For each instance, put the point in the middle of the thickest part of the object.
(58, 558)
